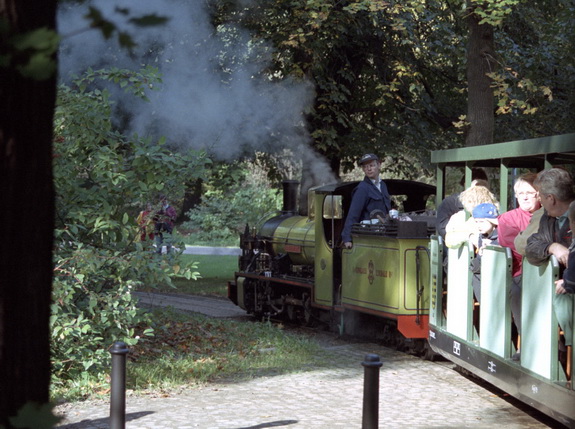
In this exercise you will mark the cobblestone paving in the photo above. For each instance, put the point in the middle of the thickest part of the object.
(413, 394)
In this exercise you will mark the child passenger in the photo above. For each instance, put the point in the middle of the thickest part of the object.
(485, 218)
(459, 228)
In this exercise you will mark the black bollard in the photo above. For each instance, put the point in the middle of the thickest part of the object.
(118, 386)
(370, 418)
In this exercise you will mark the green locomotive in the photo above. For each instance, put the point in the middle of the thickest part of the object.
(486, 347)
(293, 266)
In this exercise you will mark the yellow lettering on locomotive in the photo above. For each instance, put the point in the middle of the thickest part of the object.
(383, 273)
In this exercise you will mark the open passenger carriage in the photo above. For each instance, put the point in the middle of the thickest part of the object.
(486, 348)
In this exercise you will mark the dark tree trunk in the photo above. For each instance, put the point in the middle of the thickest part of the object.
(480, 62)
(192, 199)
(26, 217)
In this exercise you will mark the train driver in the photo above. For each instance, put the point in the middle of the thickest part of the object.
(371, 194)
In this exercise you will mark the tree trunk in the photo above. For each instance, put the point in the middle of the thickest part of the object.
(192, 199)
(27, 218)
(480, 62)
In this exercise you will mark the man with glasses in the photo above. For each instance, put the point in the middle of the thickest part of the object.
(511, 223)
(555, 187)
(371, 194)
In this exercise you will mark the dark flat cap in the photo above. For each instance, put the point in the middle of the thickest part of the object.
(367, 158)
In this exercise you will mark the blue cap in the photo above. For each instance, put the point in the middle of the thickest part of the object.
(486, 211)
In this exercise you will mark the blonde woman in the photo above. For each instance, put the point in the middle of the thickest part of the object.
(459, 229)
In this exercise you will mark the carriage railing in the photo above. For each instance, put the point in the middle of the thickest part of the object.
(459, 318)
(539, 327)
(495, 308)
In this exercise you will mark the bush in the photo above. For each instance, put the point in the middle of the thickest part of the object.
(102, 180)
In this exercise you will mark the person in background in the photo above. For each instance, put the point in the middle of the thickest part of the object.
(371, 194)
(511, 223)
(164, 220)
(459, 229)
(553, 237)
(485, 219)
(452, 204)
(520, 241)
(145, 223)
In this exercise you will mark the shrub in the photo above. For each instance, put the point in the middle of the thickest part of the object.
(102, 180)
(223, 215)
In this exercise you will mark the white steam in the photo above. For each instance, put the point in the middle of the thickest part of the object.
(197, 104)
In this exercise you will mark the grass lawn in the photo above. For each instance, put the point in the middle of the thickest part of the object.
(215, 272)
(191, 350)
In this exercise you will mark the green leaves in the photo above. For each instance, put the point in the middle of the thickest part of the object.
(493, 12)
(149, 20)
(32, 53)
(108, 28)
(103, 179)
(34, 415)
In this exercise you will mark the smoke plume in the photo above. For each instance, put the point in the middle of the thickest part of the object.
(199, 104)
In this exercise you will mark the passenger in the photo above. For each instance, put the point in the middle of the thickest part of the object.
(567, 283)
(452, 204)
(164, 220)
(145, 223)
(554, 236)
(458, 230)
(511, 224)
(485, 218)
(371, 194)
(520, 241)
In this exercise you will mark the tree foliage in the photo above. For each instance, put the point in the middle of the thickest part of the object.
(103, 179)
(391, 77)
(237, 194)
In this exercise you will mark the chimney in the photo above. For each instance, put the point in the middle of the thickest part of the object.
(290, 190)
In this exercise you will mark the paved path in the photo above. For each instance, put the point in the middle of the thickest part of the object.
(413, 394)
(205, 250)
(199, 304)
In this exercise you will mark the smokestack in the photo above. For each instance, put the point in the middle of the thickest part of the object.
(290, 189)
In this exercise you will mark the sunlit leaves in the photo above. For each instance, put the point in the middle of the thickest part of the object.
(493, 12)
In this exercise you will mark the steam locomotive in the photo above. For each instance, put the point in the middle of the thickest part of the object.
(293, 266)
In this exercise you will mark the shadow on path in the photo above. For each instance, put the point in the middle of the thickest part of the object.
(103, 422)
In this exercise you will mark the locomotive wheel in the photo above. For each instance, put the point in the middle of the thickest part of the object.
(291, 312)
(308, 316)
(429, 354)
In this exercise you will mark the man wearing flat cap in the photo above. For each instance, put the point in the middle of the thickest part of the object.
(371, 194)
